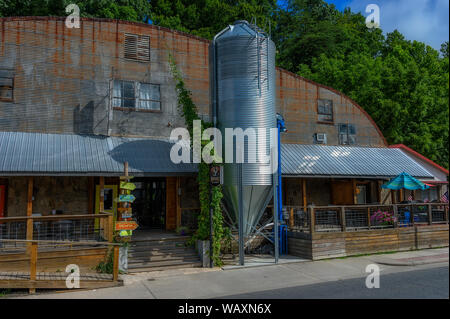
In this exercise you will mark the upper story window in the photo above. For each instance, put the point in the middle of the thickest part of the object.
(325, 110)
(6, 85)
(137, 47)
(347, 134)
(135, 95)
(149, 96)
(124, 94)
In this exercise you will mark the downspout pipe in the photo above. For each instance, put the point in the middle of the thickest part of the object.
(281, 129)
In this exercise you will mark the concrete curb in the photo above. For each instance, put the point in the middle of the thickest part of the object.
(394, 262)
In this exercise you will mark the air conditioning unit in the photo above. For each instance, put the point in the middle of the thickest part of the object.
(321, 138)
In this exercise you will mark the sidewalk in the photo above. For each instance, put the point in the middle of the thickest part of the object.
(215, 283)
(413, 258)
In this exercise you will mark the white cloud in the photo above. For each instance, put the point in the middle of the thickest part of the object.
(422, 20)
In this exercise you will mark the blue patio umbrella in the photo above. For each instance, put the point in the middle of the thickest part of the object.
(404, 180)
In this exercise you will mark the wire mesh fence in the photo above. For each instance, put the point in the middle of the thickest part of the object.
(327, 219)
(70, 228)
(297, 218)
(360, 217)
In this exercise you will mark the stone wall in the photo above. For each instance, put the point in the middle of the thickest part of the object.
(69, 194)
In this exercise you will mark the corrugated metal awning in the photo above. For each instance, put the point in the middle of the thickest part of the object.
(323, 160)
(58, 154)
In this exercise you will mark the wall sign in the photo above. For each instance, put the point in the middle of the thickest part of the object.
(214, 175)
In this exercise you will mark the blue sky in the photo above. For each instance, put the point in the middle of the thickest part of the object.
(422, 20)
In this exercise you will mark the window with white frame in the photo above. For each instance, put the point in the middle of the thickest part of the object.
(347, 134)
(124, 94)
(136, 95)
(149, 96)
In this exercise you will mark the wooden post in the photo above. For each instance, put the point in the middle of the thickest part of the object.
(446, 212)
(91, 209)
(312, 220)
(412, 214)
(30, 213)
(101, 204)
(342, 215)
(110, 223)
(379, 199)
(123, 192)
(304, 194)
(178, 197)
(368, 217)
(430, 215)
(395, 208)
(402, 197)
(291, 218)
(116, 263)
(393, 201)
(355, 196)
(33, 263)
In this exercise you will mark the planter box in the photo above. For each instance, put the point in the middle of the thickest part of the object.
(202, 247)
(123, 258)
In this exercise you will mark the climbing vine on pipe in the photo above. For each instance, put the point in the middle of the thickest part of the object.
(188, 110)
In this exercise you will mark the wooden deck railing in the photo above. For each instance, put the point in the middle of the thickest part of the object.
(354, 217)
(32, 248)
(58, 227)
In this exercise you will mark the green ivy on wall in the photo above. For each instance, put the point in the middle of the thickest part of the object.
(209, 197)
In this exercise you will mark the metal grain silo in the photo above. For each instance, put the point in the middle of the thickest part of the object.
(242, 65)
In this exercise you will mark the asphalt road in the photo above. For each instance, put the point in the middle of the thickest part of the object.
(425, 283)
(333, 278)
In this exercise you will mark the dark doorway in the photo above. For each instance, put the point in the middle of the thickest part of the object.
(150, 204)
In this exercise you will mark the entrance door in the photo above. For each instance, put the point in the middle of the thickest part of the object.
(361, 194)
(150, 204)
(109, 201)
(342, 193)
(2, 200)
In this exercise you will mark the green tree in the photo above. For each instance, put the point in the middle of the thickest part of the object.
(205, 18)
(131, 10)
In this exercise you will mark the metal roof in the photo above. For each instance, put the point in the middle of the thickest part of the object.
(58, 154)
(323, 160)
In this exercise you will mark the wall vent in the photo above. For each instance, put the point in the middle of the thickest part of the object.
(137, 47)
(321, 138)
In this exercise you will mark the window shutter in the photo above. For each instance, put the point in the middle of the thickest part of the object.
(137, 47)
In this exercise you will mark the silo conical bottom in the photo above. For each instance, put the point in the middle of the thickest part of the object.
(255, 199)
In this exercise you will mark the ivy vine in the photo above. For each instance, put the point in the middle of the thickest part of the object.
(188, 110)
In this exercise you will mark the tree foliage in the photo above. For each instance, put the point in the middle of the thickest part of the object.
(402, 84)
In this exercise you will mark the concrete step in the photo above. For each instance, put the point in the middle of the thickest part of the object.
(158, 248)
(161, 243)
(159, 268)
(161, 239)
(163, 265)
(151, 259)
(161, 252)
